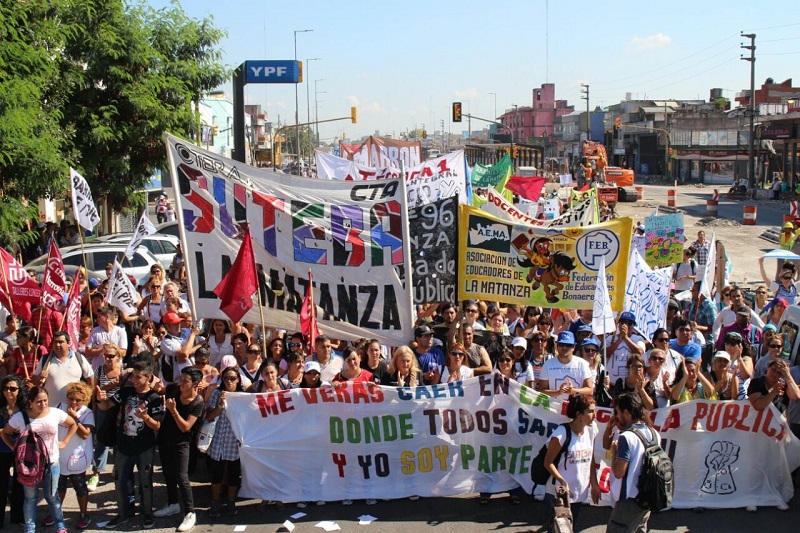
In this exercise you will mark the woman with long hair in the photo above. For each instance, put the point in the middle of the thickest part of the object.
(659, 376)
(574, 469)
(44, 421)
(456, 368)
(150, 306)
(252, 365)
(223, 452)
(693, 385)
(27, 354)
(294, 373)
(268, 379)
(276, 350)
(219, 341)
(12, 401)
(403, 370)
(108, 377)
(637, 382)
(352, 371)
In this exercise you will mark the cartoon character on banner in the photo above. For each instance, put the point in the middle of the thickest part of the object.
(547, 270)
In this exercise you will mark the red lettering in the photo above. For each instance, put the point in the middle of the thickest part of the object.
(673, 420)
(310, 396)
(443, 165)
(730, 415)
(605, 480)
(700, 412)
(274, 403)
(745, 412)
(326, 394)
(603, 415)
(340, 461)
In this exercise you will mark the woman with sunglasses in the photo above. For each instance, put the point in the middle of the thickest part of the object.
(108, 377)
(725, 300)
(636, 382)
(659, 376)
(223, 452)
(761, 349)
(589, 350)
(157, 275)
(761, 299)
(150, 306)
(725, 381)
(774, 311)
(784, 286)
(249, 370)
(12, 401)
(456, 368)
(775, 351)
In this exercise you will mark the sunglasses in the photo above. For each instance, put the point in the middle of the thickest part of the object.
(472, 310)
(458, 354)
(504, 360)
(726, 294)
(231, 378)
(254, 351)
(110, 354)
(590, 350)
(761, 292)
(294, 345)
(776, 346)
(659, 359)
(10, 389)
(663, 339)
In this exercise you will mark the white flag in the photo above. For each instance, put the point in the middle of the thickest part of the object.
(121, 292)
(710, 270)
(602, 315)
(82, 203)
(143, 229)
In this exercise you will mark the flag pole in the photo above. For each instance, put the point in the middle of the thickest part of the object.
(11, 308)
(264, 353)
(86, 266)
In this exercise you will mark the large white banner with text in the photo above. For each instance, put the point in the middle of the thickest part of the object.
(350, 234)
(647, 294)
(480, 435)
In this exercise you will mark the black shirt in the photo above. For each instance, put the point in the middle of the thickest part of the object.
(133, 435)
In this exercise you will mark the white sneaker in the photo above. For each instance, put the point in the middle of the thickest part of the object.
(371, 501)
(188, 523)
(168, 510)
(347, 502)
(751, 508)
(301, 505)
(783, 507)
(320, 503)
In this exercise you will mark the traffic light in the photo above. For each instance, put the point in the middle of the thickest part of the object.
(299, 72)
(617, 123)
(216, 130)
(353, 115)
(424, 134)
(456, 111)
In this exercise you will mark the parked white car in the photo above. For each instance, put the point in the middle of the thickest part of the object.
(99, 254)
(164, 247)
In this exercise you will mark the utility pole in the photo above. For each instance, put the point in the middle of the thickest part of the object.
(585, 96)
(751, 162)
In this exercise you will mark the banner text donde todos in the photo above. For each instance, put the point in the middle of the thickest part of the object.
(480, 435)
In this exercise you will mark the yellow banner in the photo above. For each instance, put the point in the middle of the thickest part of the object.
(577, 197)
(533, 265)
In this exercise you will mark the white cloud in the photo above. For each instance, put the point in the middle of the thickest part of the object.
(641, 44)
(468, 94)
(371, 107)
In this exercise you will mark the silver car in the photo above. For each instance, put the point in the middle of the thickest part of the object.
(99, 254)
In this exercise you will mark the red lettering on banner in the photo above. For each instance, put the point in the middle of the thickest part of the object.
(346, 392)
(274, 403)
(340, 461)
(723, 415)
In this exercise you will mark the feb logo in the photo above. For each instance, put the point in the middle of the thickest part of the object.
(596, 245)
(488, 234)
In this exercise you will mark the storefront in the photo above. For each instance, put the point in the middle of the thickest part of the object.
(710, 166)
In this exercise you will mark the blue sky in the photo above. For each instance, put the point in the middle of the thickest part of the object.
(403, 63)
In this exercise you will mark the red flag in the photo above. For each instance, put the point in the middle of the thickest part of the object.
(237, 288)
(22, 309)
(529, 187)
(72, 316)
(585, 187)
(308, 316)
(54, 286)
(16, 282)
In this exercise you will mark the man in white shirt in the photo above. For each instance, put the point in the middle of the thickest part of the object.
(565, 375)
(106, 332)
(329, 363)
(622, 345)
(174, 357)
(727, 316)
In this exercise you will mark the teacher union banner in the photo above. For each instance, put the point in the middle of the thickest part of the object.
(532, 265)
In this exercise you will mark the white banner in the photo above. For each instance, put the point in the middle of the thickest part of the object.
(433, 180)
(602, 315)
(579, 216)
(351, 234)
(121, 292)
(143, 229)
(82, 203)
(647, 294)
(480, 435)
(710, 270)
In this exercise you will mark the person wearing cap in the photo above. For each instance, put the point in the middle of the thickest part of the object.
(589, 350)
(724, 379)
(584, 332)
(565, 375)
(622, 345)
(312, 376)
(741, 362)
(727, 315)
(703, 248)
(784, 285)
(762, 349)
(773, 313)
(751, 334)
(330, 364)
(429, 358)
(174, 357)
(522, 368)
(584, 319)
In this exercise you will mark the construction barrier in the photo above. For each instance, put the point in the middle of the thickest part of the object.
(639, 193)
(788, 218)
(712, 207)
(671, 197)
(750, 214)
(716, 195)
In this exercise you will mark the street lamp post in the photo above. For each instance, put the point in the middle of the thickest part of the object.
(316, 107)
(297, 100)
(308, 100)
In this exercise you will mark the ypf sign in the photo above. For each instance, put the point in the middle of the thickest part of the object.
(273, 71)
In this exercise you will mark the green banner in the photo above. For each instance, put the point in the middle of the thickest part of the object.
(483, 176)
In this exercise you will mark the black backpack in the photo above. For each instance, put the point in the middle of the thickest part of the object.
(539, 474)
(656, 482)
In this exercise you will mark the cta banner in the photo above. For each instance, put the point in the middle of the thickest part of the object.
(549, 267)
(433, 231)
(350, 234)
(664, 234)
(361, 441)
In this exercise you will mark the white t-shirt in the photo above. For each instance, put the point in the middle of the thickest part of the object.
(78, 454)
(216, 351)
(117, 335)
(44, 426)
(617, 361)
(465, 371)
(576, 464)
(62, 373)
(684, 269)
(631, 449)
(524, 376)
(555, 373)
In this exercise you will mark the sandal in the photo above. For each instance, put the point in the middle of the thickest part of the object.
(484, 501)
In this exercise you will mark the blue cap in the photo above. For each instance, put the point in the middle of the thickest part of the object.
(566, 337)
(584, 327)
(93, 283)
(770, 327)
(590, 341)
(627, 315)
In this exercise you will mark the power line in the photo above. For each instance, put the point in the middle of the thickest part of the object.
(779, 53)
(692, 76)
(776, 27)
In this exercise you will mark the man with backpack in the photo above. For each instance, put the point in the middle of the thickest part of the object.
(642, 472)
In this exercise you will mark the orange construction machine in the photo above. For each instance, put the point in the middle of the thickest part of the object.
(611, 180)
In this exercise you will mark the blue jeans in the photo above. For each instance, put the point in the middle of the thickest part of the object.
(100, 450)
(49, 484)
(123, 478)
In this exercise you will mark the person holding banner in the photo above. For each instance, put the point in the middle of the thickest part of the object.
(577, 473)
(456, 369)
(635, 382)
(693, 385)
(404, 370)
